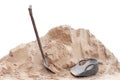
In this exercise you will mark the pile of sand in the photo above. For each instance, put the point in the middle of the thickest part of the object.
(63, 47)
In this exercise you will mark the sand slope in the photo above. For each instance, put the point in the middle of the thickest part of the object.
(63, 47)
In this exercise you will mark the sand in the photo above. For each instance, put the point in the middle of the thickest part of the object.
(63, 47)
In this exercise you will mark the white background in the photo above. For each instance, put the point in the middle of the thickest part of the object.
(101, 17)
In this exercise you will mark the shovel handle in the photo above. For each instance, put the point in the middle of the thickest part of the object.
(36, 32)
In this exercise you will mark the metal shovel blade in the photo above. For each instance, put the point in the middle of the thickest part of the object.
(38, 40)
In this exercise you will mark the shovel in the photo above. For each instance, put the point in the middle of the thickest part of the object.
(38, 40)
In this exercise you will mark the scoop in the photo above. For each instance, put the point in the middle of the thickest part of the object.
(85, 67)
(38, 40)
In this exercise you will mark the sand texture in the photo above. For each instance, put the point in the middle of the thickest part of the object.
(63, 47)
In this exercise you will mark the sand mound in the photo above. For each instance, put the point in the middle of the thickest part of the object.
(63, 48)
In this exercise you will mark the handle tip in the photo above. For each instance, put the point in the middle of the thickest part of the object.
(30, 6)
